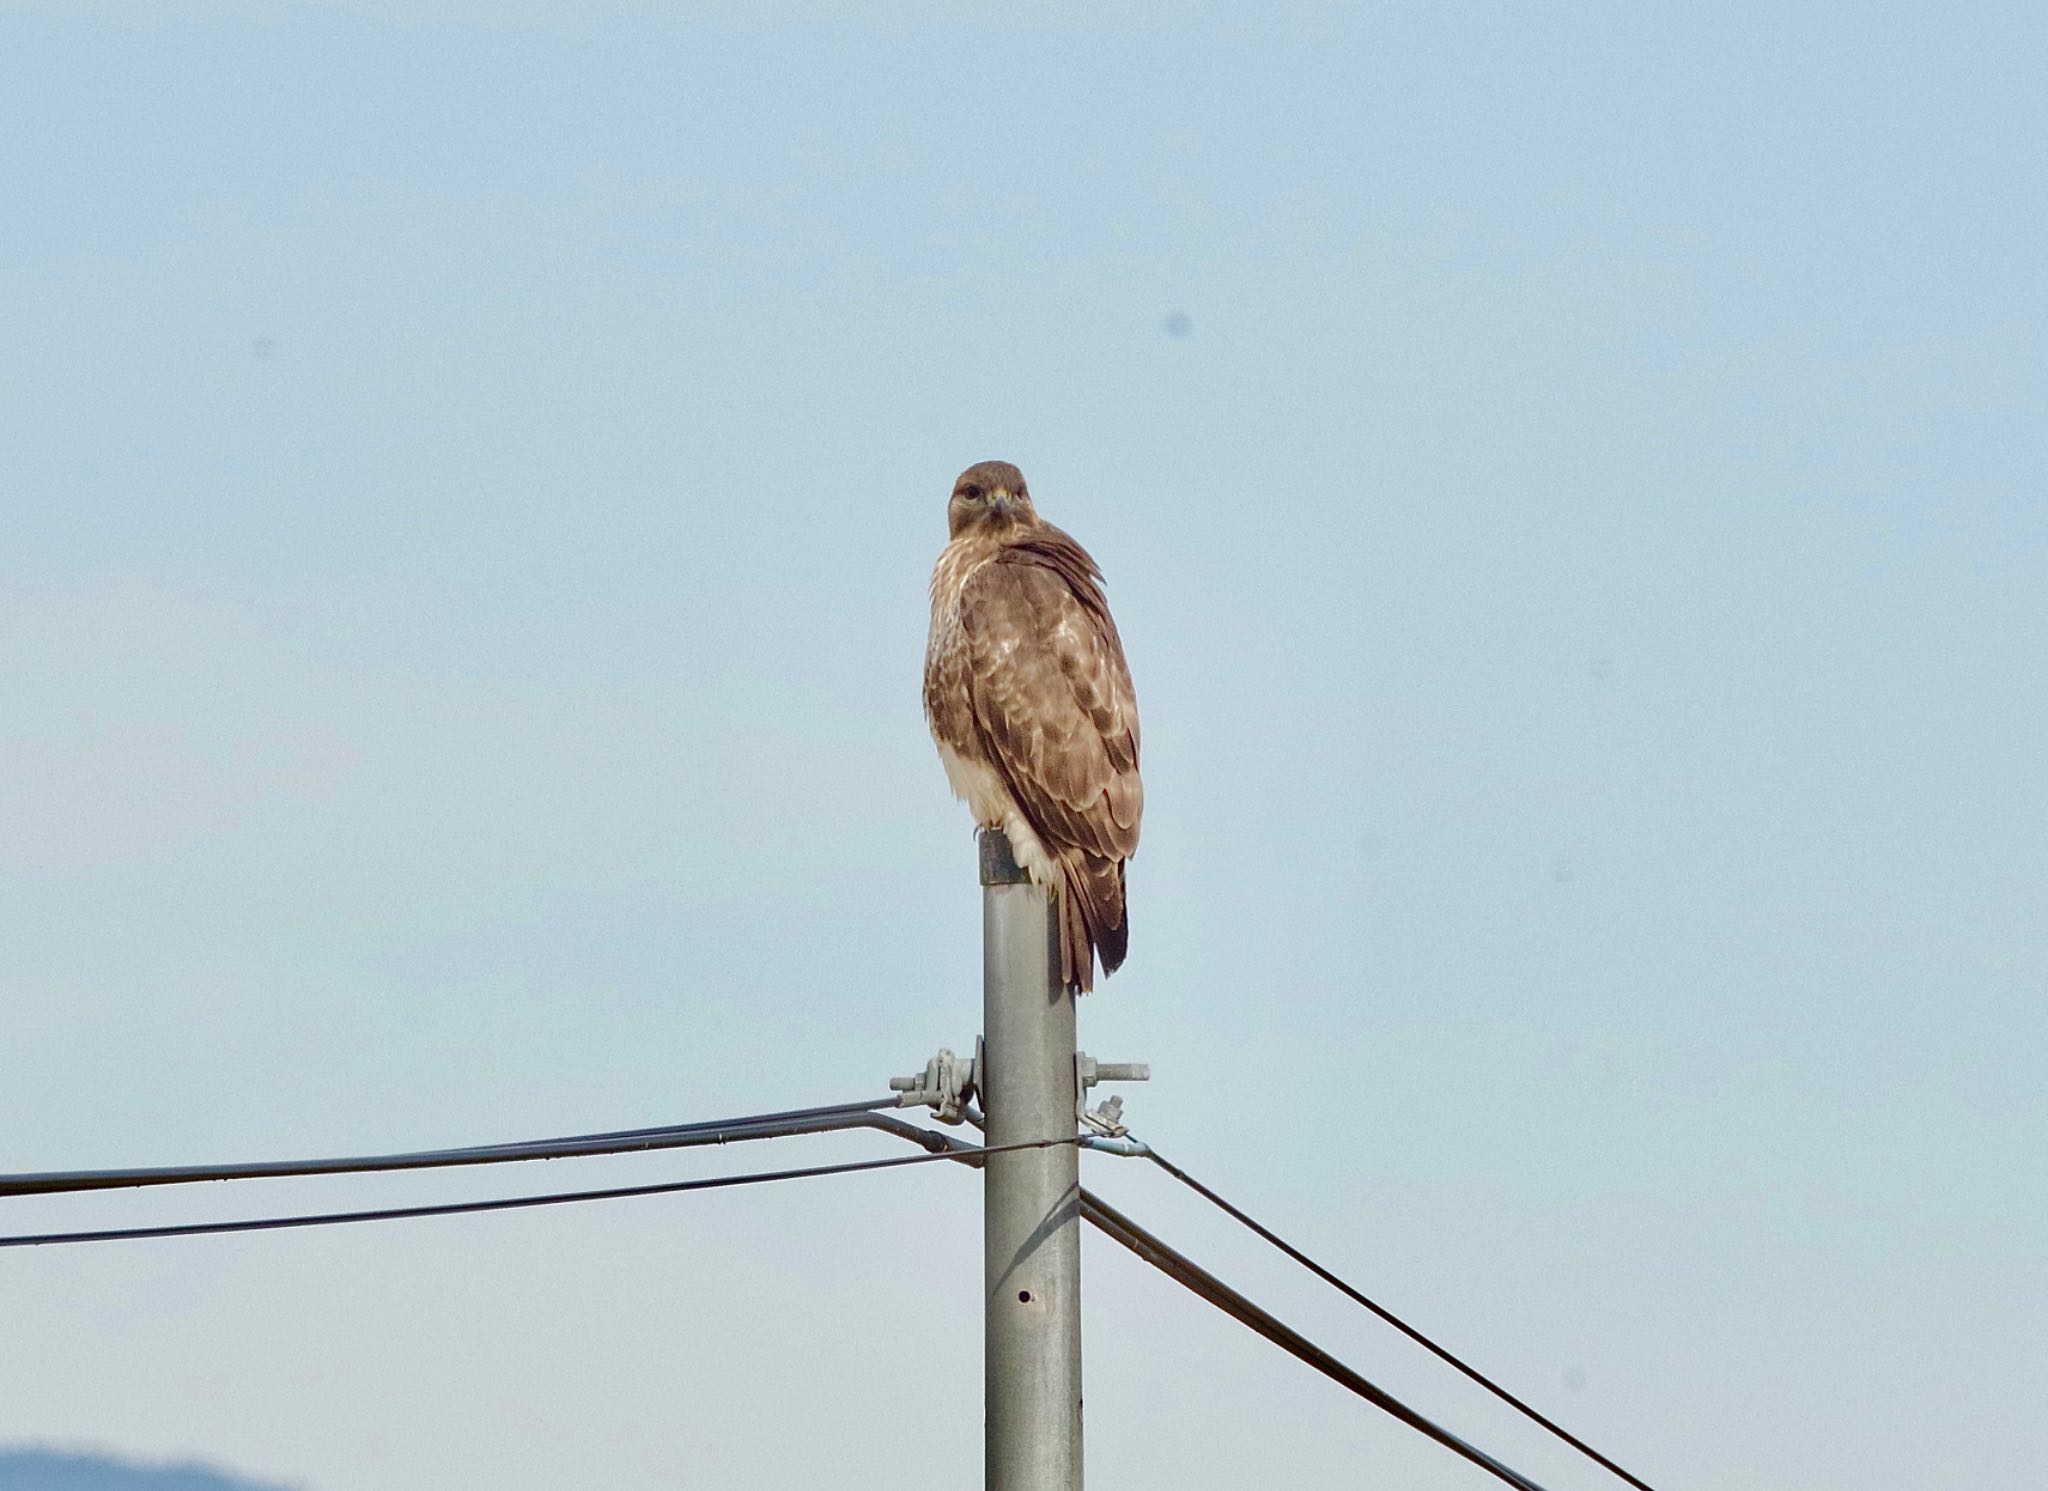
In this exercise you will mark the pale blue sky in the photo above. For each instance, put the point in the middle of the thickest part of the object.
(469, 480)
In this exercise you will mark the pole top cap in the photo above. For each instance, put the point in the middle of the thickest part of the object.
(998, 865)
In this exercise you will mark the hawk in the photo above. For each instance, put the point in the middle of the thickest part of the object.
(1029, 699)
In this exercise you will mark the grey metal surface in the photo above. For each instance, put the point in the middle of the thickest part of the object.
(998, 865)
(1031, 1235)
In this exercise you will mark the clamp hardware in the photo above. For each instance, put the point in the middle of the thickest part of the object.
(1106, 1117)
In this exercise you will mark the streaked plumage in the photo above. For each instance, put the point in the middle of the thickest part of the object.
(1028, 696)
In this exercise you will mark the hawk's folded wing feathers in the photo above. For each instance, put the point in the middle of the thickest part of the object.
(1055, 715)
(1052, 695)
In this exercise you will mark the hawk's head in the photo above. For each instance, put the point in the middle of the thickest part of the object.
(990, 495)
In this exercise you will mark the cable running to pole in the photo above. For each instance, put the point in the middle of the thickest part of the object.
(1441, 1353)
(970, 1156)
(1184, 1271)
(572, 1146)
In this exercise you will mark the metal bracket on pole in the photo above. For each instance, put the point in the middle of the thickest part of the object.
(948, 1082)
(943, 1086)
(1106, 1118)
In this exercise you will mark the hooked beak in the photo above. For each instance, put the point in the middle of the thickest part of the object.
(1001, 501)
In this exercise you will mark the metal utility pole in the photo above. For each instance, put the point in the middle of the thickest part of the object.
(1031, 1199)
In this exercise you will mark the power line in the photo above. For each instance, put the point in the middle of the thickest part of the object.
(1392, 1319)
(1191, 1275)
(510, 1203)
(616, 1141)
(772, 1125)
(939, 1147)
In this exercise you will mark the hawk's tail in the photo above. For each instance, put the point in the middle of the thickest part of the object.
(1092, 920)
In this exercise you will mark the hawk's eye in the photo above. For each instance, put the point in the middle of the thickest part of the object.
(971, 492)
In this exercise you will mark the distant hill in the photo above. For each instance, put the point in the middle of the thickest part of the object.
(49, 1470)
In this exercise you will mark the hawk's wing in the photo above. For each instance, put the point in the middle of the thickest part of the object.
(1057, 718)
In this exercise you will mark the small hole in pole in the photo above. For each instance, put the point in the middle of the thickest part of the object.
(1023, 1296)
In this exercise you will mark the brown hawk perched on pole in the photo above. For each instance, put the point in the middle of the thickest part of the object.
(1028, 696)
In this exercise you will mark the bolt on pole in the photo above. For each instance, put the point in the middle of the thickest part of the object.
(1031, 1199)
